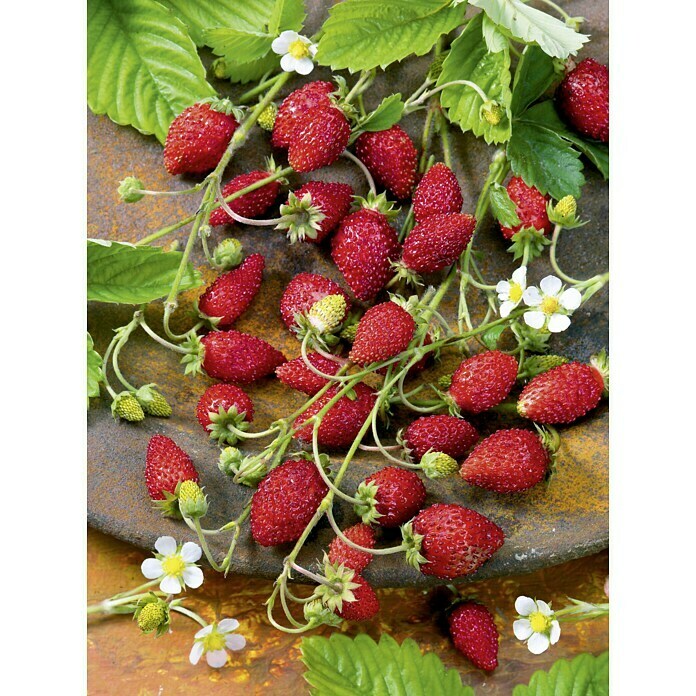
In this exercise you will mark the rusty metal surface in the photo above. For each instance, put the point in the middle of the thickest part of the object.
(545, 526)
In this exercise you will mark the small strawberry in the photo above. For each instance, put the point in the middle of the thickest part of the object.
(251, 204)
(224, 405)
(230, 295)
(342, 422)
(390, 497)
(305, 290)
(474, 634)
(285, 502)
(341, 553)
(442, 433)
(295, 106)
(296, 375)
(438, 192)
(483, 381)
(583, 99)
(530, 206)
(365, 605)
(318, 139)
(391, 158)
(384, 331)
(198, 137)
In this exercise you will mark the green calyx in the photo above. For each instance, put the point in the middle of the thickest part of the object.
(230, 460)
(251, 470)
(169, 507)
(564, 213)
(193, 359)
(339, 586)
(551, 441)
(537, 364)
(316, 614)
(367, 508)
(152, 614)
(350, 326)
(221, 68)
(129, 190)
(225, 106)
(301, 218)
(152, 402)
(413, 543)
(219, 424)
(533, 340)
(403, 272)
(528, 239)
(491, 112)
(126, 407)
(378, 202)
(267, 117)
(437, 465)
(192, 501)
(228, 254)
(600, 362)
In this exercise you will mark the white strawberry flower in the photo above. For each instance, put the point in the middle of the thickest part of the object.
(174, 565)
(297, 52)
(510, 292)
(214, 640)
(536, 625)
(551, 304)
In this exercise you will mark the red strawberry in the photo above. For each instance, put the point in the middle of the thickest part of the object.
(318, 139)
(530, 206)
(483, 381)
(562, 394)
(297, 375)
(507, 461)
(447, 434)
(583, 99)
(419, 366)
(341, 553)
(166, 465)
(341, 424)
(391, 158)
(233, 356)
(229, 296)
(226, 396)
(438, 192)
(399, 496)
(365, 606)
(474, 634)
(303, 291)
(384, 331)
(332, 199)
(251, 204)
(363, 249)
(285, 502)
(197, 139)
(295, 106)
(456, 540)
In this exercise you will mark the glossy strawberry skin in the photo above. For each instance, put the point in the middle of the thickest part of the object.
(391, 158)
(530, 205)
(303, 291)
(249, 205)
(295, 106)
(483, 381)
(583, 99)
(474, 634)
(384, 331)
(285, 502)
(296, 375)
(441, 433)
(365, 606)
(166, 465)
(319, 139)
(334, 201)
(341, 553)
(400, 495)
(197, 139)
(438, 192)
(227, 396)
(456, 541)
(230, 295)
(508, 461)
(233, 356)
(561, 395)
(437, 242)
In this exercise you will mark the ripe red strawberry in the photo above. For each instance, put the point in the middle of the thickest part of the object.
(332, 199)
(399, 496)
(297, 375)
(340, 552)
(483, 381)
(438, 192)
(233, 356)
(562, 394)
(318, 139)
(530, 205)
(303, 291)
(229, 296)
(226, 396)
(419, 366)
(384, 331)
(166, 465)
(507, 461)
(251, 204)
(456, 540)
(583, 99)
(197, 139)
(295, 106)
(442, 433)
(342, 422)
(474, 634)
(391, 158)
(285, 502)
(365, 606)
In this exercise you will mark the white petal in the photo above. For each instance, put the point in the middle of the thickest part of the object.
(151, 568)
(534, 319)
(522, 629)
(532, 297)
(304, 66)
(555, 632)
(520, 276)
(550, 285)
(193, 576)
(503, 287)
(313, 48)
(235, 642)
(216, 658)
(170, 585)
(538, 643)
(524, 606)
(191, 552)
(282, 43)
(506, 308)
(287, 63)
(204, 631)
(543, 607)
(196, 652)
(166, 545)
(558, 323)
(227, 625)
(570, 299)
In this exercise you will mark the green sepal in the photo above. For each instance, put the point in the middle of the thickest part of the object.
(228, 253)
(341, 588)
(551, 441)
(569, 220)
(403, 272)
(301, 218)
(230, 460)
(413, 543)
(163, 615)
(317, 614)
(193, 360)
(169, 507)
(533, 340)
(367, 508)
(128, 190)
(193, 502)
(324, 459)
(225, 106)
(251, 471)
(528, 238)
(219, 421)
(437, 465)
(600, 362)
(378, 202)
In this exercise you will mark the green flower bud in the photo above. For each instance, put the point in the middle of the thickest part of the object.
(228, 253)
(230, 460)
(128, 189)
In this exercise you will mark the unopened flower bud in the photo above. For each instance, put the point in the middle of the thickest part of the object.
(129, 188)
(228, 253)
(230, 460)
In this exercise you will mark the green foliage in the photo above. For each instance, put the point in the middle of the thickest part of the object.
(123, 273)
(585, 675)
(365, 34)
(385, 115)
(94, 370)
(491, 337)
(535, 73)
(342, 666)
(495, 39)
(245, 46)
(287, 14)
(502, 206)
(142, 66)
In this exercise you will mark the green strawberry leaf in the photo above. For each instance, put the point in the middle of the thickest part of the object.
(492, 336)
(127, 274)
(385, 115)
(495, 39)
(247, 72)
(343, 666)
(236, 45)
(365, 34)
(94, 370)
(287, 15)
(585, 675)
(142, 66)
(535, 73)
(503, 208)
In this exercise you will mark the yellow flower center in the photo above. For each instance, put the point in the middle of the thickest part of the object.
(214, 641)
(549, 305)
(298, 49)
(516, 292)
(539, 622)
(173, 565)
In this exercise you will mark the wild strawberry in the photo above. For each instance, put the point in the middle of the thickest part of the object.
(233, 356)
(384, 331)
(318, 139)
(455, 542)
(166, 465)
(417, 367)
(285, 502)
(390, 496)
(305, 290)
(198, 138)
(474, 634)
(297, 375)
(530, 206)
(391, 158)
(438, 192)
(443, 433)
(583, 99)
(342, 422)
(224, 405)
(251, 204)
(365, 605)
(229, 296)
(341, 553)
(483, 381)
(295, 107)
